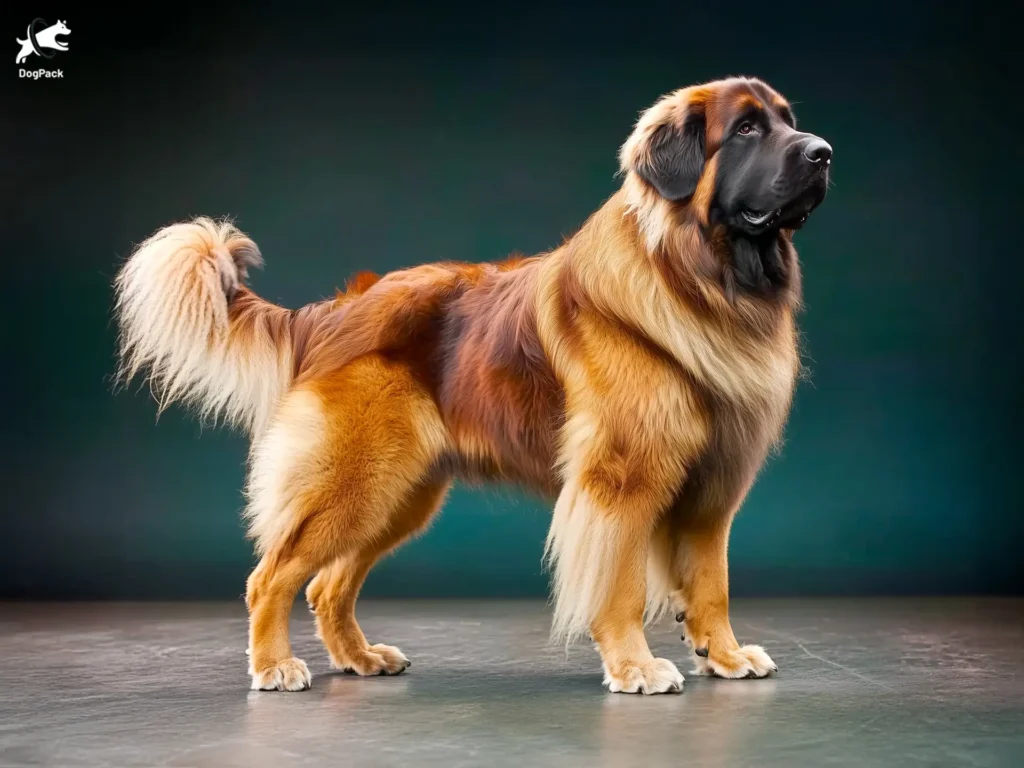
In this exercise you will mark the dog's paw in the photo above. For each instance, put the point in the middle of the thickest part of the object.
(654, 676)
(288, 675)
(314, 591)
(748, 661)
(375, 660)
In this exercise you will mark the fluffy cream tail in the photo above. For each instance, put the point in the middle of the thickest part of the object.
(205, 339)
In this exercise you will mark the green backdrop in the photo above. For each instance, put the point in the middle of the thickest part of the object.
(379, 138)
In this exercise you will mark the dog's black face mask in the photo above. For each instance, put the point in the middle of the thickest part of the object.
(769, 176)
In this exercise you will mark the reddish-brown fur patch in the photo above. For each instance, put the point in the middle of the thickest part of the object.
(496, 389)
(360, 283)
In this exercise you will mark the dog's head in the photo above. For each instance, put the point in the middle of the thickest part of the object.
(730, 150)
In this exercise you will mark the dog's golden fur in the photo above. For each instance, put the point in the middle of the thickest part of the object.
(620, 374)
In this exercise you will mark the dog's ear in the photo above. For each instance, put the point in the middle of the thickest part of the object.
(667, 148)
(675, 158)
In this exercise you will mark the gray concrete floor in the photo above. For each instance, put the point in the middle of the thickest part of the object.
(861, 683)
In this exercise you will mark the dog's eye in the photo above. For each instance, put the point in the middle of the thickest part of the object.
(745, 129)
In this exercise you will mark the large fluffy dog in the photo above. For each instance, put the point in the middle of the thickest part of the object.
(638, 375)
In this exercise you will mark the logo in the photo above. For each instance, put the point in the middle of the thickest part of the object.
(41, 40)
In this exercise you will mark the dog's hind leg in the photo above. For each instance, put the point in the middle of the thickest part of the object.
(332, 594)
(345, 453)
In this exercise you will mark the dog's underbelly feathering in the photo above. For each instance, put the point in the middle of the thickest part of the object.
(637, 376)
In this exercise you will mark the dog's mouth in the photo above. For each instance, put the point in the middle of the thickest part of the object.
(760, 218)
(792, 215)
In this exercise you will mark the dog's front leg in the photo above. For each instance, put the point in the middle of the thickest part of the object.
(599, 542)
(617, 627)
(705, 595)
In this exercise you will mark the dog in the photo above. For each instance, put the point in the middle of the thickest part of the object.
(47, 38)
(638, 376)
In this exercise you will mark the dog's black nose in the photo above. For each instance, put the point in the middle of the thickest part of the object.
(818, 151)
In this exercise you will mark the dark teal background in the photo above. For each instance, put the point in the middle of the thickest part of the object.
(344, 140)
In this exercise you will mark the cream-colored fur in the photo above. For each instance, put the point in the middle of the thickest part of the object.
(654, 676)
(581, 546)
(287, 675)
(284, 459)
(745, 661)
(174, 321)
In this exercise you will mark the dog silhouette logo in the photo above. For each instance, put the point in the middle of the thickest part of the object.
(42, 40)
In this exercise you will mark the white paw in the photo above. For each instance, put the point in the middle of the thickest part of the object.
(376, 660)
(655, 676)
(747, 661)
(288, 675)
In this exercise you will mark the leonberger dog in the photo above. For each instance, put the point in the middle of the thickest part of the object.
(638, 375)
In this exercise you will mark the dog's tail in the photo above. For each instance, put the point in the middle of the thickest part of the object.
(206, 340)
